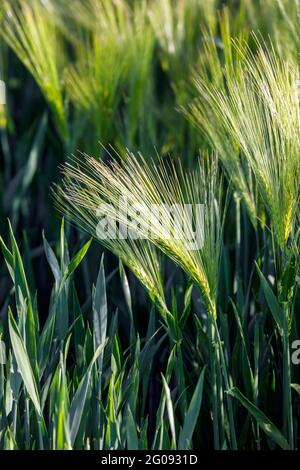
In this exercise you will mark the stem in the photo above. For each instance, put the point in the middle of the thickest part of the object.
(212, 357)
(221, 397)
(228, 386)
(27, 424)
(281, 260)
(15, 415)
(256, 378)
(40, 433)
(181, 380)
(287, 394)
(238, 241)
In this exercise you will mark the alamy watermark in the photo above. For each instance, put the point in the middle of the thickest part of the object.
(2, 353)
(184, 222)
(2, 92)
(295, 358)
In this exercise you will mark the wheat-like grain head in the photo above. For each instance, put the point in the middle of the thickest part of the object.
(254, 124)
(90, 184)
(34, 36)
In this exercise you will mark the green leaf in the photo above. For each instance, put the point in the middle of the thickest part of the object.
(100, 312)
(45, 340)
(19, 273)
(23, 296)
(126, 288)
(264, 423)
(61, 404)
(35, 152)
(272, 301)
(131, 434)
(9, 259)
(288, 279)
(247, 370)
(76, 260)
(191, 418)
(23, 363)
(187, 304)
(170, 410)
(78, 402)
(127, 295)
(159, 433)
(9, 442)
(64, 251)
(31, 166)
(134, 379)
(52, 260)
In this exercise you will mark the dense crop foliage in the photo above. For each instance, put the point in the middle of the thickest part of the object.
(142, 342)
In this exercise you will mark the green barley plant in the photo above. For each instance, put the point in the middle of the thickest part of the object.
(279, 20)
(139, 90)
(177, 29)
(253, 121)
(142, 340)
(174, 24)
(93, 83)
(254, 124)
(95, 184)
(36, 40)
(58, 404)
(113, 61)
(139, 183)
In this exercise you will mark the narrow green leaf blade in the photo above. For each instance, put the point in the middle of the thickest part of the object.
(131, 434)
(78, 402)
(265, 424)
(272, 302)
(170, 409)
(76, 260)
(23, 363)
(191, 418)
